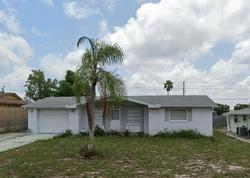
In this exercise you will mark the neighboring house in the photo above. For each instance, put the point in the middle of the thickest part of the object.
(237, 119)
(10, 100)
(12, 115)
(149, 114)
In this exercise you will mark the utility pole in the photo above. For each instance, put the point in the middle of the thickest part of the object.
(183, 87)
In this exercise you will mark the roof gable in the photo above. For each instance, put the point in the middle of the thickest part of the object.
(10, 96)
(11, 99)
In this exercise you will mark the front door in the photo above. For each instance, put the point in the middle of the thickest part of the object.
(115, 123)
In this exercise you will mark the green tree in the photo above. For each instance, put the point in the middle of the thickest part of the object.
(65, 87)
(240, 106)
(93, 74)
(168, 85)
(221, 108)
(3, 89)
(37, 87)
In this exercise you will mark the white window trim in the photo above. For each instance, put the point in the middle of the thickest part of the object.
(178, 121)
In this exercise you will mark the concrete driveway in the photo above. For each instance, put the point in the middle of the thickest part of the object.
(13, 140)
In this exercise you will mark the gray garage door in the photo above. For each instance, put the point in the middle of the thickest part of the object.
(52, 121)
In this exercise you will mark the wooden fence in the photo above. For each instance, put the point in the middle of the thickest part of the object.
(13, 119)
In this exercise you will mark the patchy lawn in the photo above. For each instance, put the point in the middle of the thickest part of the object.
(130, 157)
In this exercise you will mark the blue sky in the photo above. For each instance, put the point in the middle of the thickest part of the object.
(204, 43)
(59, 32)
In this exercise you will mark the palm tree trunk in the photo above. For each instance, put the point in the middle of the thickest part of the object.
(92, 113)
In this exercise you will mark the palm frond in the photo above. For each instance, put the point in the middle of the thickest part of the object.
(109, 53)
(92, 43)
(81, 84)
(112, 86)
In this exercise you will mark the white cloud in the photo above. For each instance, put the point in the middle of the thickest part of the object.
(164, 39)
(237, 67)
(78, 10)
(37, 32)
(111, 4)
(103, 28)
(14, 50)
(56, 65)
(10, 22)
(15, 81)
(49, 2)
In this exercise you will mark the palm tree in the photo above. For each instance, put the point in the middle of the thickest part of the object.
(92, 74)
(168, 85)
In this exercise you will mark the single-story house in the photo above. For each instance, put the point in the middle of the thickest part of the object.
(148, 114)
(237, 119)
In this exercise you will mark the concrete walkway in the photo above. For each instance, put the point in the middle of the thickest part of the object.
(13, 140)
(247, 140)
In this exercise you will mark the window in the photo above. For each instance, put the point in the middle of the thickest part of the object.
(236, 120)
(115, 114)
(244, 117)
(178, 114)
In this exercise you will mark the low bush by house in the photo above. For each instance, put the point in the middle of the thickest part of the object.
(66, 133)
(193, 134)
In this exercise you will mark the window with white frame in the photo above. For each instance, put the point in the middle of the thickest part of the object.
(178, 115)
(115, 114)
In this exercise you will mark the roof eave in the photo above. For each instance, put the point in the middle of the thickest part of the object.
(191, 106)
(45, 107)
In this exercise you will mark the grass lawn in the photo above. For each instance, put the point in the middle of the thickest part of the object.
(130, 157)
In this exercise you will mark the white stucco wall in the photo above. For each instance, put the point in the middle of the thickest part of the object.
(77, 121)
(73, 119)
(81, 115)
(84, 119)
(232, 125)
(32, 120)
(201, 121)
(72, 114)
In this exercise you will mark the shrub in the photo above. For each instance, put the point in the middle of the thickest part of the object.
(140, 134)
(83, 133)
(126, 133)
(66, 133)
(99, 131)
(192, 134)
(113, 133)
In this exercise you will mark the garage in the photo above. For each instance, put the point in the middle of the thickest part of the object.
(52, 121)
(133, 117)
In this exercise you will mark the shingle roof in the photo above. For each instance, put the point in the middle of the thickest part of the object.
(54, 102)
(176, 100)
(11, 99)
(245, 111)
(152, 101)
(5, 101)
